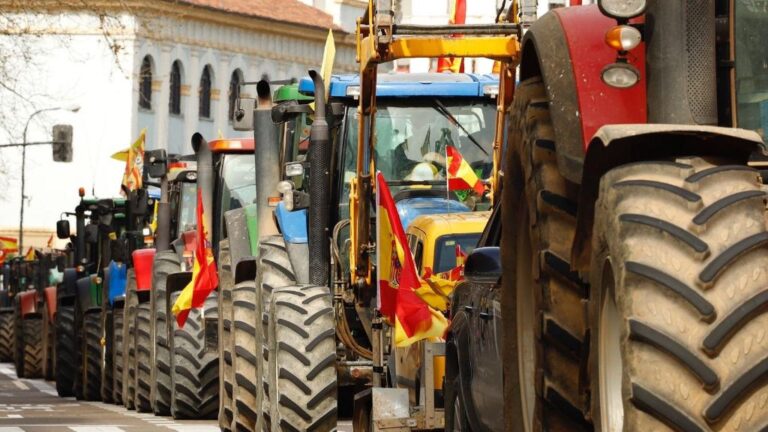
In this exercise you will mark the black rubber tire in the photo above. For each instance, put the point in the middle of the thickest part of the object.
(143, 358)
(65, 350)
(108, 356)
(18, 340)
(129, 341)
(92, 357)
(682, 248)
(166, 262)
(32, 329)
(195, 371)
(245, 356)
(302, 340)
(274, 270)
(49, 340)
(226, 372)
(536, 192)
(117, 355)
(6, 335)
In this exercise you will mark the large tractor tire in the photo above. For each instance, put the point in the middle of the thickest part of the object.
(166, 262)
(129, 341)
(245, 355)
(143, 358)
(679, 278)
(118, 315)
(32, 329)
(226, 373)
(195, 365)
(66, 368)
(49, 340)
(274, 271)
(545, 344)
(18, 342)
(302, 365)
(6, 335)
(92, 357)
(108, 357)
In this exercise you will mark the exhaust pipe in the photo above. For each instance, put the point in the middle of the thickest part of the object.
(204, 179)
(267, 153)
(163, 239)
(681, 62)
(319, 199)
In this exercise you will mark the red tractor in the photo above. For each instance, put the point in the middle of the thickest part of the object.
(629, 254)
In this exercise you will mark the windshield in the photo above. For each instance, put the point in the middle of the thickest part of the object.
(413, 135)
(187, 204)
(751, 34)
(448, 247)
(239, 181)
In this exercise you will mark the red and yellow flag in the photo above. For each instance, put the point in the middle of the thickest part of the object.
(458, 15)
(8, 247)
(411, 317)
(134, 164)
(205, 278)
(30, 255)
(461, 176)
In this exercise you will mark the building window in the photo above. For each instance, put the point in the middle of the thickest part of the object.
(234, 91)
(145, 83)
(205, 93)
(174, 104)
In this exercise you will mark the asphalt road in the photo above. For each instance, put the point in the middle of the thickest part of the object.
(28, 405)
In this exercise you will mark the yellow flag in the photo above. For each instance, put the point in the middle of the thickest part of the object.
(329, 56)
(134, 164)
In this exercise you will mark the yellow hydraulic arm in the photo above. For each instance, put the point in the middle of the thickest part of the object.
(381, 40)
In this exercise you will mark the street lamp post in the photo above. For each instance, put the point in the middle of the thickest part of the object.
(74, 109)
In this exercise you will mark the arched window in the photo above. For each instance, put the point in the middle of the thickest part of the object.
(205, 92)
(145, 83)
(174, 104)
(234, 91)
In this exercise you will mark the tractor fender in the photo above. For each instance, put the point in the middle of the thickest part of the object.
(579, 101)
(117, 274)
(50, 300)
(143, 260)
(84, 298)
(617, 145)
(69, 282)
(27, 302)
(177, 281)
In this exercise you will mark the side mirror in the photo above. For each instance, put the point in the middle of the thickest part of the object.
(157, 163)
(483, 264)
(138, 201)
(62, 229)
(243, 115)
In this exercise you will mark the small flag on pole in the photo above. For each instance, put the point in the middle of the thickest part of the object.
(461, 176)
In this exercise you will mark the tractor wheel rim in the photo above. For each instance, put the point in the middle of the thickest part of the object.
(610, 364)
(525, 311)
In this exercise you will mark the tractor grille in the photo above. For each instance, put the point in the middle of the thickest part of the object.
(700, 46)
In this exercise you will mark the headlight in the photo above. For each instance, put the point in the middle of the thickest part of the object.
(294, 170)
(353, 91)
(620, 75)
(622, 9)
(623, 38)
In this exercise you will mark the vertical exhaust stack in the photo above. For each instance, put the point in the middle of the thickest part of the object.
(267, 154)
(681, 62)
(204, 178)
(319, 187)
(163, 239)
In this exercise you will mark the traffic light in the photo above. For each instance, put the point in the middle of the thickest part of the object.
(62, 143)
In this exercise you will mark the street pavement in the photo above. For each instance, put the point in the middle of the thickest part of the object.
(32, 405)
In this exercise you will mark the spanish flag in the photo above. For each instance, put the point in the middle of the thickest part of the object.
(30, 256)
(204, 275)
(411, 317)
(461, 176)
(134, 164)
(458, 15)
(8, 247)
